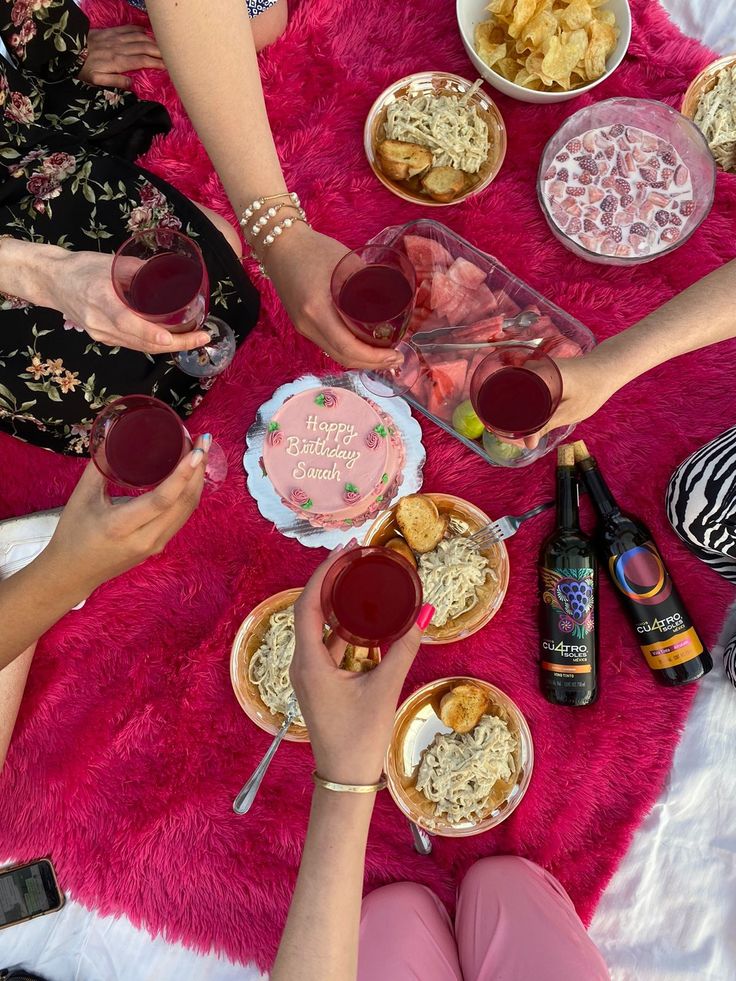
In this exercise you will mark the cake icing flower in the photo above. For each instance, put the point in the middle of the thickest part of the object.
(327, 399)
(275, 436)
(300, 498)
(351, 494)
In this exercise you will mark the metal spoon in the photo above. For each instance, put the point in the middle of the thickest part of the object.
(244, 801)
(422, 841)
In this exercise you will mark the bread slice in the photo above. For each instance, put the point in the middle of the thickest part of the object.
(462, 708)
(400, 546)
(444, 183)
(400, 161)
(360, 659)
(420, 523)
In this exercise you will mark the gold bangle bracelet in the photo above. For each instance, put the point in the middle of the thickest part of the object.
(349, 788)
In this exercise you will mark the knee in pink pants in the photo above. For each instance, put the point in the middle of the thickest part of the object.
(514, 922)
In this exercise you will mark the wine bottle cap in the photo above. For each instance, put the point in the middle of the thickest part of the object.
(580, 451)
(565, 456)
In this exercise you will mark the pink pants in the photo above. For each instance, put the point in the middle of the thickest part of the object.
(514, 922)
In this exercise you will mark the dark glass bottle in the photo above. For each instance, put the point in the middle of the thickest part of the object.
(664, 630)
(568, 579)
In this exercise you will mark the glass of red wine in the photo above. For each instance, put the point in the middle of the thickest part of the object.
(137, 441)
(373, 289)
(160, 274)
(516, 390)
(371, 596)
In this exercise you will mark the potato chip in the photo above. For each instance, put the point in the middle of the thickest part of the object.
(602, 42)
(507, 67)
(540, 27)
(606, 17)
(577, 14)
(563, 54)
(524, 10)
(503, 9)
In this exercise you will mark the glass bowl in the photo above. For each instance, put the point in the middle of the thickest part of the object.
(415, 726)
(438, 83)
(465, 518)
(703, 82)
(666, 123)
(247, 641)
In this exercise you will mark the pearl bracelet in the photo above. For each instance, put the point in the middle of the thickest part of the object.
(278, 229)
(261, 223)
(260, 202)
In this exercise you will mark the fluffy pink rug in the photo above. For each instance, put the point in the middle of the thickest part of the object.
(131, 746)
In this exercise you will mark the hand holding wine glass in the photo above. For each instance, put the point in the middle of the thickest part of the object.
(80, 286)
(301, 268)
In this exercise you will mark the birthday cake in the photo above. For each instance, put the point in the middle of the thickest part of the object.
(333, 457)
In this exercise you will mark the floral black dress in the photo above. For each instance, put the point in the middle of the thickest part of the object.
(67, 178)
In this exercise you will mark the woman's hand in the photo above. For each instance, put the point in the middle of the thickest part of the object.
(81, 288)
(115, 50)
(349, 715)
(97, 540)
(587, 384)
(300, 265)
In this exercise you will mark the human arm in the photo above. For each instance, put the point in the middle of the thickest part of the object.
(79, 284)
(349, 717)
(703, 314)
(93, 542)
(212, 61)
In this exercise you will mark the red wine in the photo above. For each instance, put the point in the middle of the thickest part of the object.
(165, 283)
(374, 597)
(514, 401)
(144, 445)
(568, 575)
(377, 294)
(665, 633)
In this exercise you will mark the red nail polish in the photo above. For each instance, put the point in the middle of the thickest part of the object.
(425, 615)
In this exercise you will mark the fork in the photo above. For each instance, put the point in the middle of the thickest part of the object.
(244, 801)
(503, 528)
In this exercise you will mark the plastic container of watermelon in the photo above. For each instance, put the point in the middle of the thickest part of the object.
(466, 303)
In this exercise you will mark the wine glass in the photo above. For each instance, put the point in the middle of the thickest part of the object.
(137, 441)
(516, 390)
(371, 596)
(374, 288)
(160, 274)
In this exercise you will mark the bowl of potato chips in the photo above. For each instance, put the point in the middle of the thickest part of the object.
(545, 50)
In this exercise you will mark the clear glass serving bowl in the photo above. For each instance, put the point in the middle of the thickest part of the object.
(657, 118)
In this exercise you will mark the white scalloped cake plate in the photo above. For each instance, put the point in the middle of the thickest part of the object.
(262, 491)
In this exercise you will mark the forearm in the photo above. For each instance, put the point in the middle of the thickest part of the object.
(320, 941)
(32, 600)
(212, 62)
(29, 269)
(12, 685)
(702, 315)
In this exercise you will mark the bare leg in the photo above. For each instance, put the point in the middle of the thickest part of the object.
(12, 684)
(270, 25)
(223, 226)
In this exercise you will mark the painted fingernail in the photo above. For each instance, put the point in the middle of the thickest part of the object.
(196, 458)
(206, 441)
(425, 615)
(163, 337)
(352, 543)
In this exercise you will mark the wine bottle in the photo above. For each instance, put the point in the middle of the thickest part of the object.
(666, 635)
(568, 578)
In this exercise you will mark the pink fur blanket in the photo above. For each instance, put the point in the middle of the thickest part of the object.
(130, 745)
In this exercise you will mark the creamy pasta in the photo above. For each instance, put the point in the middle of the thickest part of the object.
(446, 124)
(716, 118)
(269, 667)
(451, 576)
(458, 772)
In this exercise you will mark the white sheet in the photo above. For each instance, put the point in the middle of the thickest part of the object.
(668, 914)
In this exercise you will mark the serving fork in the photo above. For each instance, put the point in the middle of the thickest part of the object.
(503, 528)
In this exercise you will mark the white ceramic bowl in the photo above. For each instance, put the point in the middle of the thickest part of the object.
(472, 12)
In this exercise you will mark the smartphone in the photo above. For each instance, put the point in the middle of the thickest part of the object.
(27, 891)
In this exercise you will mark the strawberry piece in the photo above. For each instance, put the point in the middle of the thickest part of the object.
(687, 208)
(616, 130)
(608, 203)
(574, 146)
(662, 217)
(607, 218)
(639, 228)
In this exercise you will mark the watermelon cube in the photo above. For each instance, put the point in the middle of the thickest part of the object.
(426, 254)
(466, 273)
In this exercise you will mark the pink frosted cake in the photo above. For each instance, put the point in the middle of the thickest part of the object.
(333, 457)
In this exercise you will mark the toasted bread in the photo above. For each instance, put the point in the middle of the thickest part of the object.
(420, 523)
(400, 546)
(444, 183)
(359, 659)
(400, 161)
(462, 708)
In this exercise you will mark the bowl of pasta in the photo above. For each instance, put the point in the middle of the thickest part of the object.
(461, 757)
(261, 657)
(435, 138)
(465, 584)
